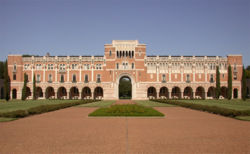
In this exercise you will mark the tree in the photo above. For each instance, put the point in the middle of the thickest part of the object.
(229, 82)
(24, 92)
(34, 87)
(1, 70)
(244, 84)
(6, 82)
(217, 90)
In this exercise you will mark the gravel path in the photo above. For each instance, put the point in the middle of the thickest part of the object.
(71, 131)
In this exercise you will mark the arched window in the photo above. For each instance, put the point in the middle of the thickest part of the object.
(50, 78)
(110, 53)
(86, 78)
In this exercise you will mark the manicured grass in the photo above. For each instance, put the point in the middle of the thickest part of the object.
(246, 118)
(3, 119)
(14, 105)
(236, 104)
(17, 111)
(105, 103)
(126, 110)
(152, 104)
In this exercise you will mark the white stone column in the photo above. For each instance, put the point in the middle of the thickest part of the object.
(80, 73)
(67, 72)
(44, 72)
(32, 72)
(170, 94)
(56, 72)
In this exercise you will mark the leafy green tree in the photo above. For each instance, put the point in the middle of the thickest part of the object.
(217, 90)
(229, 83)
(6, 82)
(34, 87)
(24, 90)
(1, 70)
(244, 84)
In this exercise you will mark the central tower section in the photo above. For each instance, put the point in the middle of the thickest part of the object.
(125, 58)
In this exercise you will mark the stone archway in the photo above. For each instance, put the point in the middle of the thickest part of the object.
(125, 88)
(133, 87)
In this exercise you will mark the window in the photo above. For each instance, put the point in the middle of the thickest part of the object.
(38, 66)
(62, 78)
(14, 67)
(74, 78)
(163, 78)
(62, 67)
(235, 75)
(98, 66)
(235, 68)
(139, 53)
(125, 65)
(26, 66)
(223, 76)
(133, 66)
(74, 66)
(86, 78)
(38, 78)
(110, 53)
(98, 79)
(14, 76)
(50, 66)
(86, 66)
(188, 78)
(211, 78)
(117, 66)
(50, 78)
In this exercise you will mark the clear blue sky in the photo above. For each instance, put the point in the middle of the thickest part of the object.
(168, 27)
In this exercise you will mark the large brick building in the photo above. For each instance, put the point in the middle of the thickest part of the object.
(99, 76)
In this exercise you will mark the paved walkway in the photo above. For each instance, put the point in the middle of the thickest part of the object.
(71, 131)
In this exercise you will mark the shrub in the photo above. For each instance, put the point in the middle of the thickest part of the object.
(42, 109)
(207, 108)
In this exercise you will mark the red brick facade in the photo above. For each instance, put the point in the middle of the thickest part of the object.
(182, 76)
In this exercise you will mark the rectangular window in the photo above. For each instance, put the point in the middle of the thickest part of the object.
(117, 66)
(86, 78)
(50, 78)
(110, 53)
(133, 66)
(26, 66)
(163, 78)
(62, 78)
(50, 66)
(74, 66)
(86, 66)
(38, 66)
(98, 66)
(14, 76)
(188, 78)
(211, 78)
(74, 78)
(98, 80)
(38, 78)
(235, 76)
(62, 67)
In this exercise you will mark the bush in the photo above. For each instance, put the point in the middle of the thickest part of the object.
(207, 108)
(42, 109)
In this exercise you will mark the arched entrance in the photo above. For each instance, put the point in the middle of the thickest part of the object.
(176, 93)
(235, 93)
(224, 92)
(14, 94)
(125, 88)
(188, 93)
(98, 93)
(62, 93)
(86, 93)
(163, 92)
(200, 93)
(211, 92)
(50, 93)
(152, 94)
(74, 93)
(39, 92)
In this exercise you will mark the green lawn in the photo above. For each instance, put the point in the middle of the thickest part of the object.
(105, 103)
(3, 119)
(236, 104)
(246, 118)
(126, 110)
(152, 104)
(14, 105)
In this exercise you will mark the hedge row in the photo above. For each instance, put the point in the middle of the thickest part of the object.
(42, 109)
(207, 108)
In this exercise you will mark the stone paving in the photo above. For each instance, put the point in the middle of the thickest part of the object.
(72, 131)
